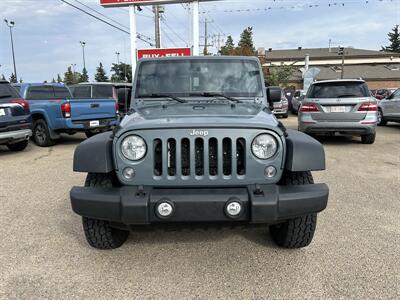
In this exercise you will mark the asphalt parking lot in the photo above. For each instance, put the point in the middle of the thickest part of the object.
(355, 253)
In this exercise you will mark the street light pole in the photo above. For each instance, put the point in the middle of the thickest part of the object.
(73, 71)
(117, 53)
(83, 44)
(11, 24)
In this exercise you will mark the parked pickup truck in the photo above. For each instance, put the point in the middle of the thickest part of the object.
(15, 119)
(121, 92)
(55, 111)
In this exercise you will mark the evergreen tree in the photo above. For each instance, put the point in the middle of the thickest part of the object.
(84, 77)
(3, 77)
(100, 75)
(20, 80)
(246, 45)
(53, 80)
(394, 39)
(69, 77)
(122, 72)
(229, 47)
(13, 79)
(59, 79)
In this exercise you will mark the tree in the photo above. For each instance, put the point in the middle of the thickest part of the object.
(246, 45)
(69, 77)
(394, 39)
(84, 77)
(122, 72)
(229, 47)
(53, 80)
(3, 77)
(13, 79)
(278, 75)
(100, 75)
(20, 80)
(59, 79)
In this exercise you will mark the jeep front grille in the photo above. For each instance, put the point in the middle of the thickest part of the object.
(199, 157)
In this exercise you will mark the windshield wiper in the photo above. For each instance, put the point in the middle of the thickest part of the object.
(163, 96)
(211, 94)
(5, 96)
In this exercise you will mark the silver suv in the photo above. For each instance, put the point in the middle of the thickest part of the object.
(339, 106)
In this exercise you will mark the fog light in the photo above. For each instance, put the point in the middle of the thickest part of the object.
(164, 209)
(128, 173)
(270, 171)
(233, 209)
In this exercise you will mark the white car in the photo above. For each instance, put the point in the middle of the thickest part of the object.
(281, 108)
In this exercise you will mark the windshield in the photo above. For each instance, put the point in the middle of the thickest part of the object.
(185, 78)
(338, 90)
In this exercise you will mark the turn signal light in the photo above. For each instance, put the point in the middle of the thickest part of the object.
(66, 110)
(22, 102)
(368, 106)
(309, 107)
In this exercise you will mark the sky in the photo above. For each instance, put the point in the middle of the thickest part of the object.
(47, 32)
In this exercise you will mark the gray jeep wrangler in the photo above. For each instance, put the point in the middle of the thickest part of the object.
(200, 144)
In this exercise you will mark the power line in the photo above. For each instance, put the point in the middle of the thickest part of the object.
(138, 35)
(173, 31)
(292, 7)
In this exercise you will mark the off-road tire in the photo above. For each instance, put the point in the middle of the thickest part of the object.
(20, 146)
(99, 234)
(297, 232)
(368, 138)
(41, 134)
(381, 119)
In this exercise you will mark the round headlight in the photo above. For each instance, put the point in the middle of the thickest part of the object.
(264, 146)
(133, 147)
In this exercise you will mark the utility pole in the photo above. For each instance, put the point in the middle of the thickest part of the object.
(10, 25)
(117, 53)
(156, 11)
(83, 54)
(206, 44)
(341, 52)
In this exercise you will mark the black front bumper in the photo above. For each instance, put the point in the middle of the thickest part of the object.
(265, 204)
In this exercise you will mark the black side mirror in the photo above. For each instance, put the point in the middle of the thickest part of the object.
(274, 94)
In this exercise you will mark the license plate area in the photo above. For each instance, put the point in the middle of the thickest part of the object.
(337, 109)
(3, 112)
(94, 123)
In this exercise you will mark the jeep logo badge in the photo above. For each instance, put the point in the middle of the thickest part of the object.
(199, 132)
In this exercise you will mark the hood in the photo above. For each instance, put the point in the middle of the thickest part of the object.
(200, 115)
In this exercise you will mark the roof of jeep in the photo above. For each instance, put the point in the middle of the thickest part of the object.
(174, 58)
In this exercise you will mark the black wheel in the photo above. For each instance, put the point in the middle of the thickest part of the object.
(368, 138)
(285, 116)
(297, 232)
(381, 119)
(18, 146)
(294, 111)
(90, 133)
(41, 134)
(99, 233)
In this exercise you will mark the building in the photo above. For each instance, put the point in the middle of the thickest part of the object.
(379, 69)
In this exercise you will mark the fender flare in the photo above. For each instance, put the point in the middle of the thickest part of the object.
(94, 155)
(42, 114)
(304, 153)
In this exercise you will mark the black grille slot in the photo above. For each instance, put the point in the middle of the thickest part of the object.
(227, 156)
(199, 159)
(185, 154)
(241, 156)
(157, 148)
(171, 156)
(213, 156)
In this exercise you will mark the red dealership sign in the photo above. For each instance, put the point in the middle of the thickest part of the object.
(166, 52)
(142, 2)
